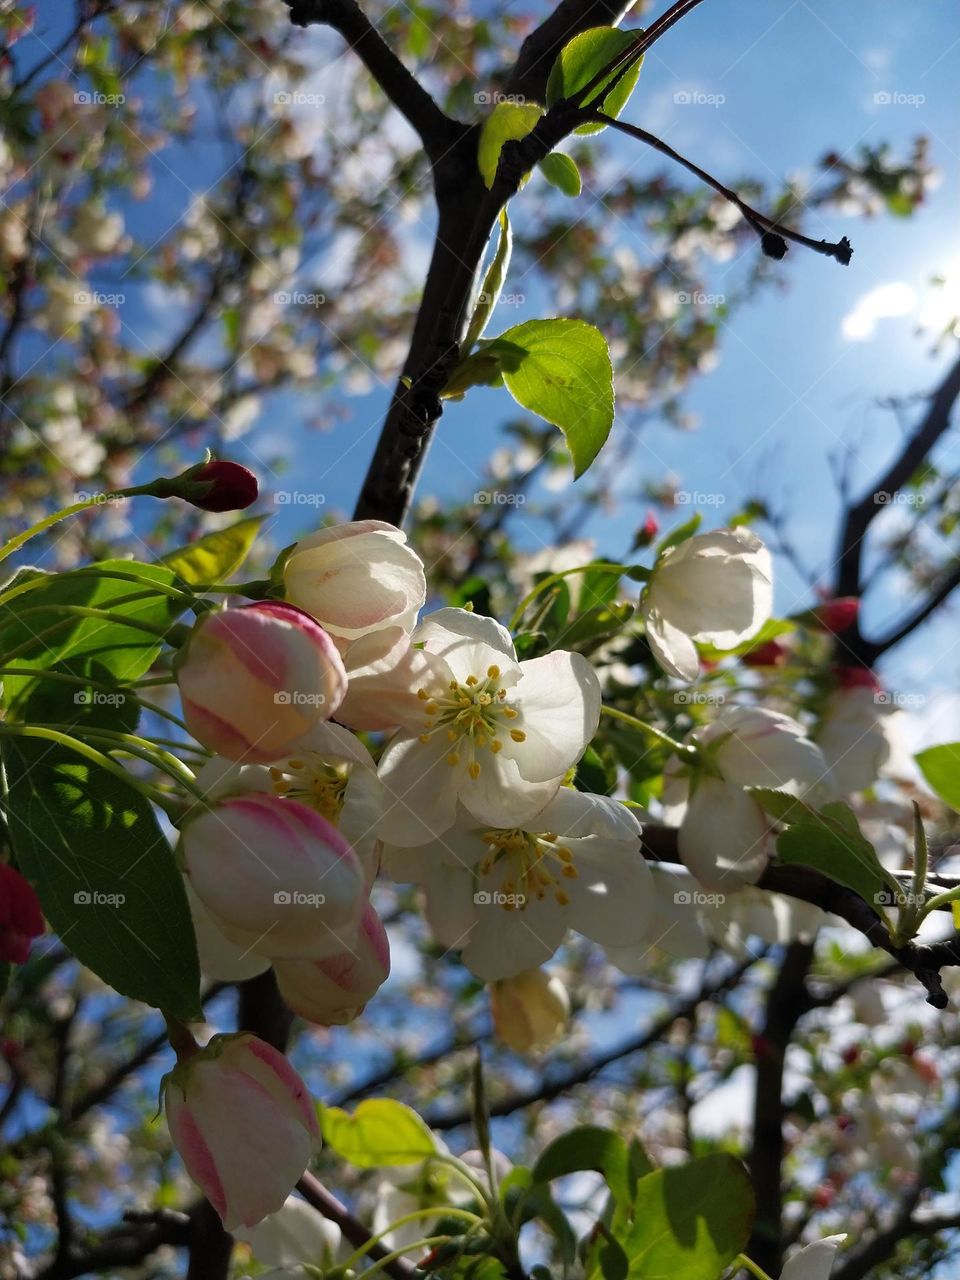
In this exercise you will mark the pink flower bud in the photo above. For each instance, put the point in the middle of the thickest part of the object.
(232, 487)
(771, 654)
(857, 678)
(647, 532)
(334, 991)
(21, 919)
(276, 876)
(837, 615)
(254, 681)
(244, 1125)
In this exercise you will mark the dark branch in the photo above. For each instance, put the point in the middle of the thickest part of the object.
(436, 129)
(771, 233)
(543, 46)
(316, 1194)
(947, 586)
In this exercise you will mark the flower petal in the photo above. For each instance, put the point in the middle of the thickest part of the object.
(559, 703)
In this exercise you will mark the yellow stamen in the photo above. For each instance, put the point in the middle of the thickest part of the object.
(474, 770)
(518, 735)
(453, 758)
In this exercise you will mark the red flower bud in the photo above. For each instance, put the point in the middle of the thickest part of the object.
(857, 678)
(770, 654)
(837, 615)
(232, 487)
(21, 919)
(851, 1054)
(647, 531)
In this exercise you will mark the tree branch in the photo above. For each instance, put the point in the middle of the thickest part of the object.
(436, 130)
(317, 1195)
(543, 46)
(947, 586)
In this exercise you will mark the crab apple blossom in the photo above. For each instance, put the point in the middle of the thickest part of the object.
(296, 1231)
(529, 1011)
(332, 773)
(506, 897)
(725, 836)
(859, 737)
(334, 990)
(276, 877)
(494, 733)
(221, 959)
(21, 919)
(244, 1125)
(255, 680)
(714, 588)
(384, 671)
(814, 1261)
(355, 578)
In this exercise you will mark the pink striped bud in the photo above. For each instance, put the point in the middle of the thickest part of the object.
(275, 875)
(21, 919)
(334, 991)
(244, 1125)
(255, 681)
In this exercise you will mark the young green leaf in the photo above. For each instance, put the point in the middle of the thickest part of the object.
(591, 1147)
(507, 122)
(105, 874)
(561, 171)
(941, 768)
(492, 284)
(689, 1221)
(584, 57)
(380, 1132)
(215, 556)
(561, 370)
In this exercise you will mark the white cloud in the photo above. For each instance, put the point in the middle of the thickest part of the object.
(885, 302)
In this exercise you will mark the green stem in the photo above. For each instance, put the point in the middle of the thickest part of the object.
(15, 543)
(96, 757)
(75, 610)
(66, 678)
(553, 579)
(752, 1267)
(161, 588)
(680, 748)
(144, 749)
(428, 1242)
(434, 1211)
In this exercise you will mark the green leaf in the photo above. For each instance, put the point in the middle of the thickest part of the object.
(482, 369)
(508, 121)
(560, 369)
(770, 630)
(496, 274)
(941, 768)
(105, 874)
(125, 652)
(584, 57)
(216, 556)
(561, 171)
(379, 1132)
(590, 1147)
(95, 701)
(829, 840)
(680, 534)
(689, 1221)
